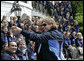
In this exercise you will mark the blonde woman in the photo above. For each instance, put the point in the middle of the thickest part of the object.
(51, 40)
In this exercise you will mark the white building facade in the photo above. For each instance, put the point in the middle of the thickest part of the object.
(26, 7)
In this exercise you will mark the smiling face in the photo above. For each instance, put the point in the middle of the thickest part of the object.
(22, 45)
(5, 29)
(12, 47)
(46, 27)
(49, 23)
(46, 24)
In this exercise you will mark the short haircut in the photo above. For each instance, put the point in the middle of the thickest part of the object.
(10, 42)
(22, 41)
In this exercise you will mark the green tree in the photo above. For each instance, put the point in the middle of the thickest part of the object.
(77, 7)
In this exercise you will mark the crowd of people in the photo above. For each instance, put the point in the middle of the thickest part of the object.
(63, 15)
(22, 47)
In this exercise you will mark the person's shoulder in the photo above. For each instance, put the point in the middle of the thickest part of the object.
(59, 32)
(5, 56)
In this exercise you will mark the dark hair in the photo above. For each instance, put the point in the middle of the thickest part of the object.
(2, 43)
(10, 42)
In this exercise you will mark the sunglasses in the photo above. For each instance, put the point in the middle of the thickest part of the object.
(44, 25)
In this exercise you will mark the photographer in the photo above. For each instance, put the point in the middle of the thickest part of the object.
(51, 40)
